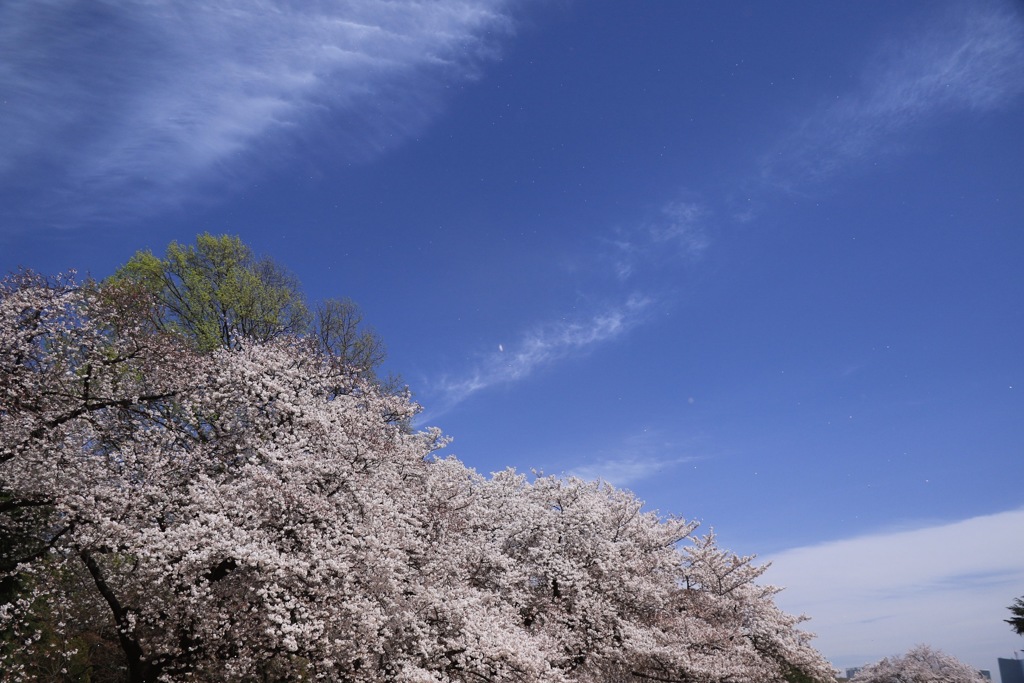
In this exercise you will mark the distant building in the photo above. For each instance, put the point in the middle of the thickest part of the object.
(852, 671)
(986, 674)
(1011, 670)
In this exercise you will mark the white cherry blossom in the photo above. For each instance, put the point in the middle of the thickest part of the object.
(261, 513)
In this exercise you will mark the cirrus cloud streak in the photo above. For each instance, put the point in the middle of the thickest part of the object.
(969, 58)
(112, 108)
(538, 348)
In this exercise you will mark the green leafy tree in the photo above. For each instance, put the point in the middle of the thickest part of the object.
(1017, 621)
(219, 294)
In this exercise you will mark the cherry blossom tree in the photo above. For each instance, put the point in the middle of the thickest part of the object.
(922, 664)
(209, 499)
(260, 512)
(611, 592)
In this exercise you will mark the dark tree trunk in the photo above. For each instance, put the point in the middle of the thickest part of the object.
(139, 670)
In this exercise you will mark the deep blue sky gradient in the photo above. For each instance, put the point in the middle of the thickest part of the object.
(758, 262)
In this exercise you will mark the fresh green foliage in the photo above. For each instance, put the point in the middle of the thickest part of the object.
(218, 293)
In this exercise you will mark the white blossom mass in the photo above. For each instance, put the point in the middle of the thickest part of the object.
(263, 513)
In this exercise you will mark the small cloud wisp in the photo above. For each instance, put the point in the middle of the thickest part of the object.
(541, 347)
(968, 59)
(676, 234)
(627, 470)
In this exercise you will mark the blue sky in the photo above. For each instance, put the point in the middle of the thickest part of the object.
(758, 262)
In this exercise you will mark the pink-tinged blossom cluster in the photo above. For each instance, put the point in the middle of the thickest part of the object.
(922, 664)
(264, 514)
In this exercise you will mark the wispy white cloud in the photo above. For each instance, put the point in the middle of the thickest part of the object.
(946, 585)
(110, 106)
(970, 58)
(677, 233)
(627, 470)
(641, 456)
(517, 360)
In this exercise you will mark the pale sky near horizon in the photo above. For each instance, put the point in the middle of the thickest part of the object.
(759, 263)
